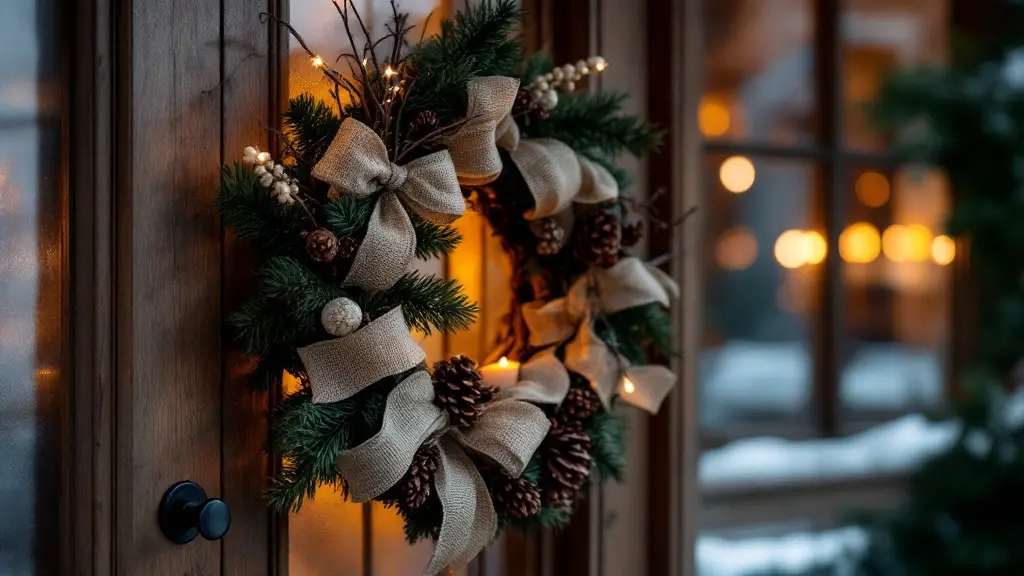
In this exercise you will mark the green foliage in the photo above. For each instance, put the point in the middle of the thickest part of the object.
(429, 302)
(534, 66)
(434, 240)
(310, 125)
(607, 430)
(254, 215)
(592, 123)
(635, 330)
(476, 42)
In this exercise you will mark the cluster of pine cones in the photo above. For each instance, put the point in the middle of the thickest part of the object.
(459, 390)
(599, 237)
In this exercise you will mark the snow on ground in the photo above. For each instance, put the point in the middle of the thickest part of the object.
(891, 447)
(787, 553)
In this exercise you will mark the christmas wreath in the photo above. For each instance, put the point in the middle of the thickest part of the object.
(368, 182)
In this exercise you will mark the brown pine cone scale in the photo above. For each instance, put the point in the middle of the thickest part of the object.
(567, 461)
(418, 485)
(550, 236)
(459, 390)
(599, 238)
(517, 497)
(580, 403)
(321, 245)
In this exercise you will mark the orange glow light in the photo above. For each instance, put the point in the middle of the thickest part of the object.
(859, 243)
(943, 250)
(503, 363)
(736, 249)
(713, 117)
(317, 61)
(627, 386)
(737, 174)
(791, 249)
(872, 189)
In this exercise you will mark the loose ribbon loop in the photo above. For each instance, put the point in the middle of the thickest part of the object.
(507, 432)
(357, 163)
(472, 148)
(629, 283)
(543, 380)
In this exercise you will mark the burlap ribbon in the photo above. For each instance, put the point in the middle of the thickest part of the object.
(542, 380)
(474, 154)
(507, 432)
(627, 284)
(357, 163)
(555, 175)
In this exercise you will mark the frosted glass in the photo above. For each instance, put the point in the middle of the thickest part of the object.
(30, 286)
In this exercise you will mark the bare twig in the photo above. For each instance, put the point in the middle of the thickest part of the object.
(434, 134)
(352, 42)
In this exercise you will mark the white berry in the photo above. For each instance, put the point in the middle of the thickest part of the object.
(548, 100)
(259, 171)
(279, 170)
(267, 180)
(341, 317)
(569, 86)
(556, 74)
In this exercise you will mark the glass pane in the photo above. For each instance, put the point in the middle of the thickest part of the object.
(330, 535)
(760, 70)
(30, 286)
(762, 256)
(897, 282)
(880, 36)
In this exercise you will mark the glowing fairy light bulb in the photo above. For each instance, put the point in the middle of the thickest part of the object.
(503, 363)
(317, 61)
(627, 386)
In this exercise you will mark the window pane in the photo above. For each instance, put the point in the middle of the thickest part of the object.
(760, 69)
(880, 36)
(30, 286)
(762, 256)
(897, 282)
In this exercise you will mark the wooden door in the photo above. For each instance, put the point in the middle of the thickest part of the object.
(162, 92)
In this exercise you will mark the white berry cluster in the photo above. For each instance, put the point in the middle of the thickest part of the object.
(564, 78)
(272, 175)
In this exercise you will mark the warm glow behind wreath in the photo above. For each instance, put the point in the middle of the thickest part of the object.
(372, 181)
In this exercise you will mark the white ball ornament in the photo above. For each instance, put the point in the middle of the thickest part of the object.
(548, 100)
(341, 317)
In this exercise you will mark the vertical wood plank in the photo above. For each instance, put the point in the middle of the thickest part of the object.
(391, 553)
(625, 512)
(169, 340)
(247, 97)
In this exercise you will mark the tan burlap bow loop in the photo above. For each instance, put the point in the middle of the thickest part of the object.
(507, 432)
(629, 283)
(357, 163)
(476, 158)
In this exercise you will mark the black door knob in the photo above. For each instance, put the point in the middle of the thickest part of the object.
(186, 512)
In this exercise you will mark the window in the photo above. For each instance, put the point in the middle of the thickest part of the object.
(826, 273)
(31, 250)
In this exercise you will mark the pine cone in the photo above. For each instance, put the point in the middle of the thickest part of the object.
(567, 456)
(550, 236)
(580, 403)
(321, 245)
(517, 497)
(425, 119)
(458, 388)
(524, 103)
(560, 497)
(347, 247)
(417, 485)
(599, 238)
(632, 233)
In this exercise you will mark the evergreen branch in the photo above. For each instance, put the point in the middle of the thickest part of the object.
(476, 42)
(348, 215)
(263, 326)
(433, 240)
(427, 302)
(634, 330)
(290, 281)
(607, 430)
(592, 123)
(534, 66)
(312, 125)
(255, 216)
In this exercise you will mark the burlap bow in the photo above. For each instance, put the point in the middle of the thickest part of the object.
(507, 432)
(627, 284)
(555, 175)
(474, 154)
(357, 163)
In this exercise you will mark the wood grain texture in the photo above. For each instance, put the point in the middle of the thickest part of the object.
(248, 103)
(92, 261)
(169, 393)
